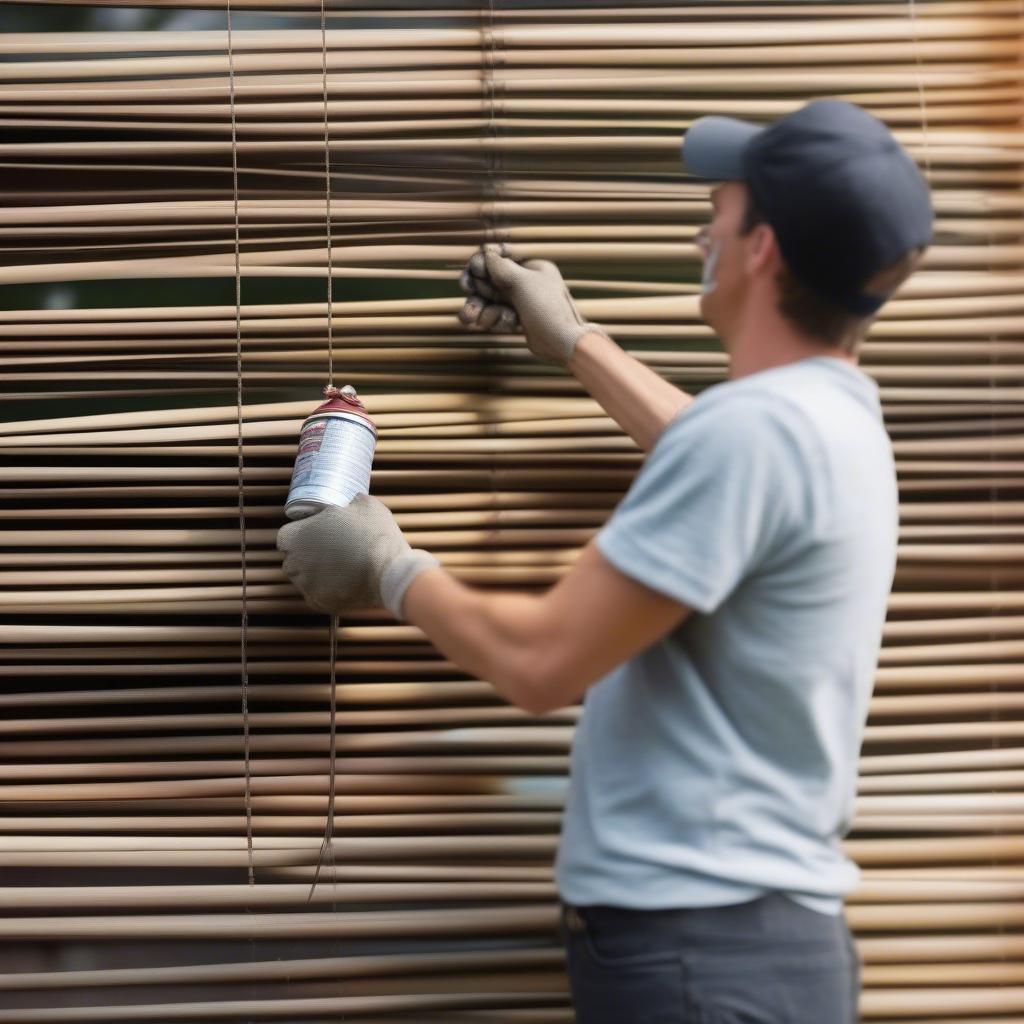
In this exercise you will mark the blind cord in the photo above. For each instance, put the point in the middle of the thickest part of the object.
(243, 645)
(327, 846)
(493, 230)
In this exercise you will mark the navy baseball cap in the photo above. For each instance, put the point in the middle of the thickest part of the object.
(844, 198)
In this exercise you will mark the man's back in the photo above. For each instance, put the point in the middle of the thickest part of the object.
(721, 763)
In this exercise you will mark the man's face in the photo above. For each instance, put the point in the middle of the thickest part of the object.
(724, 286)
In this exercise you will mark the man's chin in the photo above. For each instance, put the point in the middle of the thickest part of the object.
(706, 305)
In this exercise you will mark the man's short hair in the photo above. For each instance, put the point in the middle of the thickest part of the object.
(814, 315)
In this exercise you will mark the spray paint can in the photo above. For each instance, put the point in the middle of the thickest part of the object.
(336, 447)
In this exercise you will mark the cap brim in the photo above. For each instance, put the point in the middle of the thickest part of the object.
(713, 147)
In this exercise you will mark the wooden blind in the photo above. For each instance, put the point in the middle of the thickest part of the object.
(173, 303)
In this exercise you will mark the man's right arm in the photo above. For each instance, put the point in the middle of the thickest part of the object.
(503, 294)
(638, 399)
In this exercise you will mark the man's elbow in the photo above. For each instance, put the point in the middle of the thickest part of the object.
(546, 685)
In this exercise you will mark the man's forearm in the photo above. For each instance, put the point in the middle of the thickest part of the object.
(496, 637)
(638, 399)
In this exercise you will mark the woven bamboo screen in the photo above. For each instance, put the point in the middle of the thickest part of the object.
(167, 277)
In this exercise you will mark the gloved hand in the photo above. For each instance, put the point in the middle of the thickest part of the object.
(345, 559)
(503, 293)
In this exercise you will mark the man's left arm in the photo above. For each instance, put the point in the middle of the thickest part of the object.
(541, 652)
(719, 494)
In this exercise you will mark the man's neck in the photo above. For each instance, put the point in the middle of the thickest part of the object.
(766, 353)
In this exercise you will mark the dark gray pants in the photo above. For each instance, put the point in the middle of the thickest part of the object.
(769, 961)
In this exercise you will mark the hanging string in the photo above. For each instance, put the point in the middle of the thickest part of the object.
(492, 212)
(920, 93)
(243, 646)
(492, 187)
(327, 197)
(327, 846)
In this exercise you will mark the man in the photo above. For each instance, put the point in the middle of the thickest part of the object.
(724, 625)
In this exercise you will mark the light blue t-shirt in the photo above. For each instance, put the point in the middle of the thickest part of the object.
(721, 763)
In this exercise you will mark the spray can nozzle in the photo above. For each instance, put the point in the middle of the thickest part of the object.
(347, 392)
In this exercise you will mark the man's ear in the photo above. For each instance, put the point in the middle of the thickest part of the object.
(763, 251)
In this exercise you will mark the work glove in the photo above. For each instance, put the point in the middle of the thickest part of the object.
(350, 558)
(504, 294)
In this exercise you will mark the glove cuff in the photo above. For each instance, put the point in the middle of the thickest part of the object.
(399, 574)
(576, 333)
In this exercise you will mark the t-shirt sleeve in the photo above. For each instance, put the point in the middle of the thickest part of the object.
(719, 494)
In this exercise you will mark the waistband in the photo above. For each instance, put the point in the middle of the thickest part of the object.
(773, 915)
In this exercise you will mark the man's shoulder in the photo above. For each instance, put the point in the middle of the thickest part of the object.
(742, 412)
(798, 408)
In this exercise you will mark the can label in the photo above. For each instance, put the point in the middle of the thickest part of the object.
(311, 438)
(333, 465)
